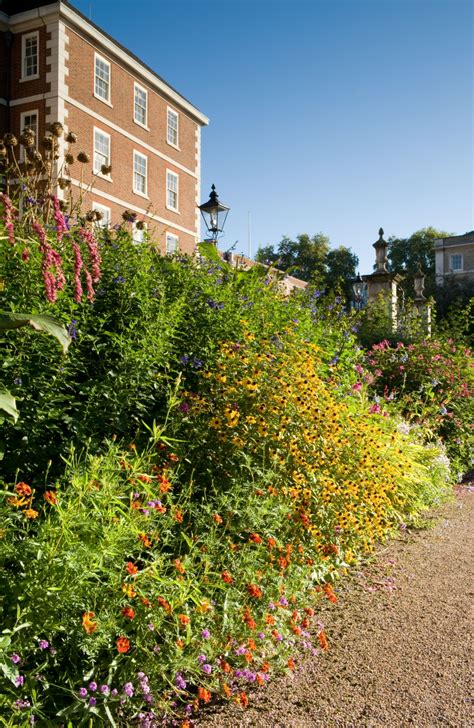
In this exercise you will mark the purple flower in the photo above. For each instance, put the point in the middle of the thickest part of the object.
(240, 651)
(93, 686)
(207, 669)
(283, 601)
(205, 634)
(184, 408)
(22, 704)
(271, 606)
(43, 644)
(82, 692)
(180, 682)
(128, 689)
(261, 635)
(104, 689)
(201, 658)
(92, 701)
(15, 658)
(19, 681)
(114, 692)
(151, 626)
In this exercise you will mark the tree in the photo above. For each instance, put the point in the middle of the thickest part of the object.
(341, 270)
(405, 255)
(304, 258)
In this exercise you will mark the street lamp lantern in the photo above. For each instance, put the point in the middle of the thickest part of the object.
(214, 214)
(358, 288)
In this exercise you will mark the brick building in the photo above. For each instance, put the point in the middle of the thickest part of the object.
(56, 65)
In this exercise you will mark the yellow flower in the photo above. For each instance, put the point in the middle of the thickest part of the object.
(30, 513)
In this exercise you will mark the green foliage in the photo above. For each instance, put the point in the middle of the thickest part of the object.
(406, 255)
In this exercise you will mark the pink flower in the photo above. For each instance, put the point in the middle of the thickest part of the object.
(61, 226)
(8, 217)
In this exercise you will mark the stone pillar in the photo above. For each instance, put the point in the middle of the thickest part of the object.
(382, 286)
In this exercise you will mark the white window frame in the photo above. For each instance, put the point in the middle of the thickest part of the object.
(108, 100)
(170, 174)
(108, 157)
(138, 236)
(170, 111)
(136, 190)
(137, 87)
(23, 125)
(172, 243)
(107, 213)
(451, 267)
(24, 39)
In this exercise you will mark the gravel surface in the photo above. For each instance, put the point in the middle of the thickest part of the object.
(400, 641)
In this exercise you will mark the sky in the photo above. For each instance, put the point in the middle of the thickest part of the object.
(333, 116)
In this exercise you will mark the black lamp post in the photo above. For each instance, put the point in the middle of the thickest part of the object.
(358, 288)
(214, 214)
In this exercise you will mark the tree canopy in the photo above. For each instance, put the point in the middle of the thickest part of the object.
(311, 259)
(405, 255)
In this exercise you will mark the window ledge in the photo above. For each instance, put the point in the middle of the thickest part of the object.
(23, 79)
(173, 209)
(104, 101)
(141, 194)
(175, 146)
(105, 177)
(143, 126)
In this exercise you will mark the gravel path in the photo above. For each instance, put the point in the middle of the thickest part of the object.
(400, 642)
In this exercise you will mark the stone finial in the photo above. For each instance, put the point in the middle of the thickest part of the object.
(381, 254)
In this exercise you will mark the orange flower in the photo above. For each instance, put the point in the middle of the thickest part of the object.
(291, 663)
(225, 667)
(266, 667)
(260, 679)
(227, 577)
(185, 724)
(123, 645)
(180, 644)
(128, 612)
(129, 590)
(173, 458)
(144, 478)
(323, 641)
(163, 603)
(243, 700)
(178, 516)
(31, 513)
(204, 695)
(329, 593)
(165, 484)
(248, 656)
(87, 622)
(18, 502)
(179, 566)
(251, 644)
(309, 611)
(255, 538)
(131, 568)
(254, 591)
(51, 497)
(270, 619)
(184, 619)
(136, 505)
(146, 602)
(160, 508)
(217, 518)
(271, 543)
(145, 540)
(23, 489)
(227, 690)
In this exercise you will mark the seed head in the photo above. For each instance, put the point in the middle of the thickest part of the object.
(56, 129)
(71, 138)
(83, 158)
(69, 158)
(10, 140)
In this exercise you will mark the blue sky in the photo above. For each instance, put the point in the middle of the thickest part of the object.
(337, 116)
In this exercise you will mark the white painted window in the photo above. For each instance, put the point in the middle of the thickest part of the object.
(102, 78)
(138, 234)
(140, 171)
(172, 190)
(106, 214)
(455, 262)
(140, 107)
(172, 243)
(30, 55)
(172, 132)
(101, 150)
(29, 120)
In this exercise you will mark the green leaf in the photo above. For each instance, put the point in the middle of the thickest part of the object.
(8, 403)
(209, 251)
(39, 322)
